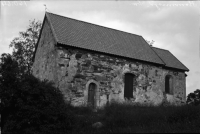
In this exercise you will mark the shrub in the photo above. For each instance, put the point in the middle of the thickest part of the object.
(194, 98)
(36, 107)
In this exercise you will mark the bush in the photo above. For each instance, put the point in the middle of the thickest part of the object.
(36, 107)
(194, 98)
(29, 105)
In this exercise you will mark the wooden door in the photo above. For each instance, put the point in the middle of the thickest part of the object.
(91, 95)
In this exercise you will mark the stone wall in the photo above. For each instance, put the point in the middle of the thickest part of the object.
(44, 62)
(72, 70)
(75, 68)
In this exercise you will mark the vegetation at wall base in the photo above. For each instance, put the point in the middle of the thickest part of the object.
(120, 118)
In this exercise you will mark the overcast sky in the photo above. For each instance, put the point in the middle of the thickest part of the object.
(172, 25)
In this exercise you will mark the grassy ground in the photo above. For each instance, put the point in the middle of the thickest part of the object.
(118, 118)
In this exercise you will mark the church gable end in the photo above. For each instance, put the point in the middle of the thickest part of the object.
(44, 60)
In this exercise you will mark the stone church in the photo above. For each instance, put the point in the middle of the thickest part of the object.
(94, 65)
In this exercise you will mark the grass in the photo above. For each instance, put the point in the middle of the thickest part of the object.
(127, 118)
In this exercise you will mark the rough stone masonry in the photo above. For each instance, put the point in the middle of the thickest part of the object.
(73, 70)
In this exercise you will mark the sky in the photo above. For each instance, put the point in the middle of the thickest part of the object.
(173, 25)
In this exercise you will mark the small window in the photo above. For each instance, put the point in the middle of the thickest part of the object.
(169, 84)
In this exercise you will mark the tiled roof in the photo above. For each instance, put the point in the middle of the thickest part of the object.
(98, 38)
(76, 33)
(169, 59)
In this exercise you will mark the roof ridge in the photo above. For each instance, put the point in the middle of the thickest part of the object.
(94, 24)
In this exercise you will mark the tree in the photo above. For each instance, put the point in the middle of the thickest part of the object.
(9, 69)
(150, 42)
(9, 74)
(24, 46)
(29, 105)
(194, 98)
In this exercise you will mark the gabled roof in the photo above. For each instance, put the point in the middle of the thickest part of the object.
(80, 34)
(169, 59)
(98, 38)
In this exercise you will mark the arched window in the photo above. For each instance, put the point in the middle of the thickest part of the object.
(128, 85)
(168, 84)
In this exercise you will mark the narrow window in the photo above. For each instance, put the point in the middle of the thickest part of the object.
(168, 84)
(128, 87)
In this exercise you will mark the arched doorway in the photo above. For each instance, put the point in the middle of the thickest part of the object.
(168, 84)
(91, 95)
(128, 85)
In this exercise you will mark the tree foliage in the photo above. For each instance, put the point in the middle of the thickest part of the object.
(194, 98)
(9, 69)
(24, 46)
(150, 42)
(29, 105)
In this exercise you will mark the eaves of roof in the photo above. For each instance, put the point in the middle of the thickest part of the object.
(89, 36)
(84, 35)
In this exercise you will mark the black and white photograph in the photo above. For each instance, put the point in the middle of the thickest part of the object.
(109, 66)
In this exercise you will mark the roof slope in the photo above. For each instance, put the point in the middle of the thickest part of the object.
(71, 32)
(169, 59)
(93, 37)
